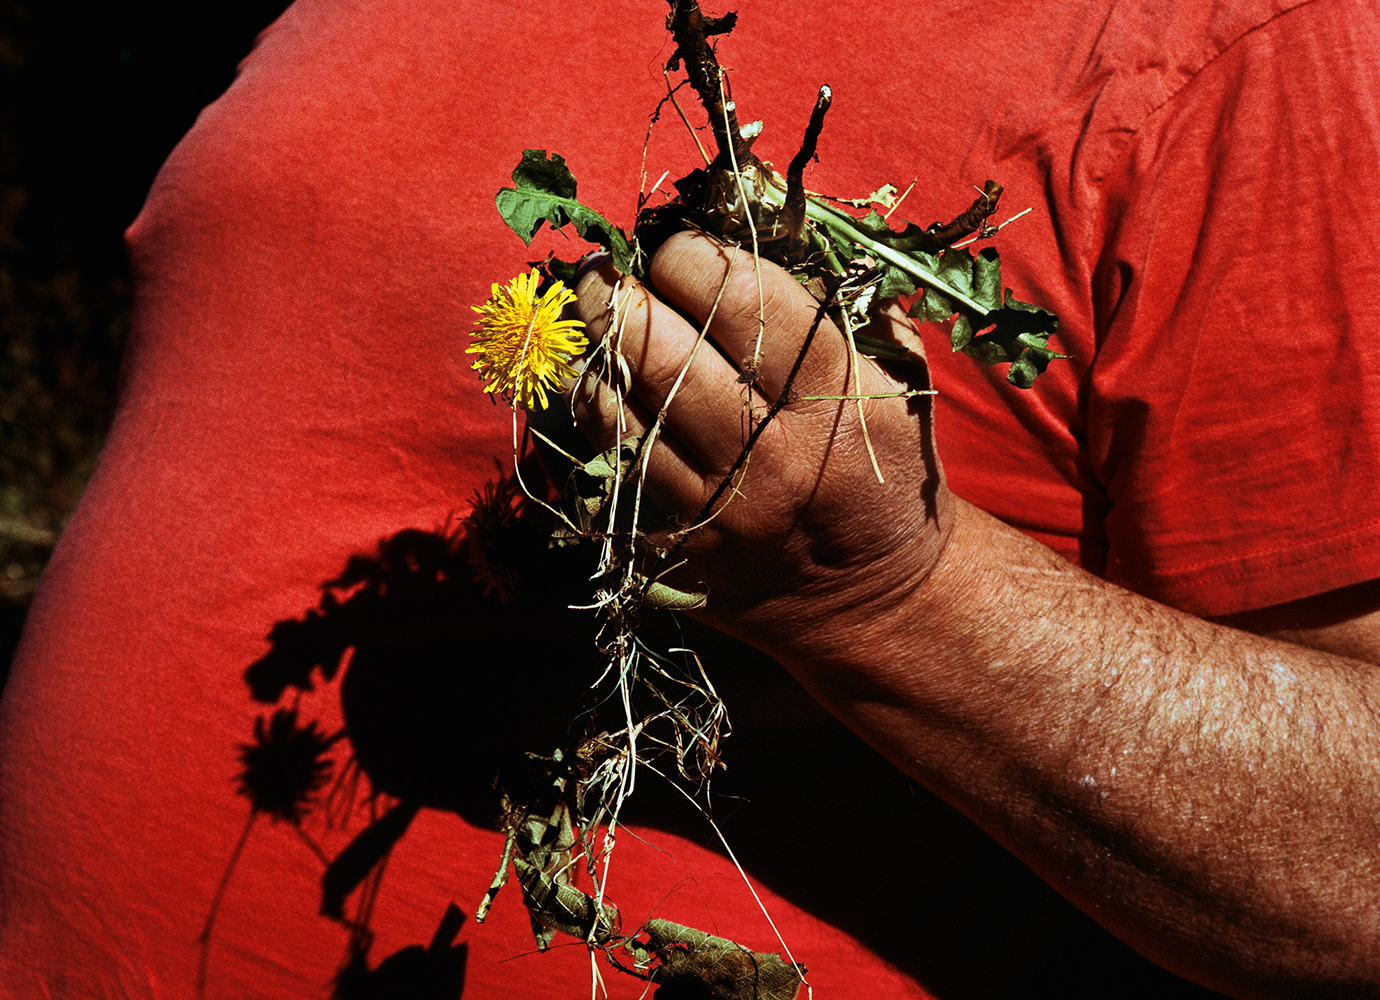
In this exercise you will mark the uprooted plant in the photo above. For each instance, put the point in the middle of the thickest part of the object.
(670, 718)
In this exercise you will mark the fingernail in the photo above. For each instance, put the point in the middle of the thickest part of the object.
(591, 262)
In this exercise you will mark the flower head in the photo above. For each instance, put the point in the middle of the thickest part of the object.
(524, 346)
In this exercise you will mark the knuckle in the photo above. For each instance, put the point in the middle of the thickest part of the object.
(609, 303)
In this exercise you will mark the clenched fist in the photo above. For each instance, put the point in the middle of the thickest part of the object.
(804, 543)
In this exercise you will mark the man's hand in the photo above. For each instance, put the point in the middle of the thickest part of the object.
(1209, 795)
(805, 542)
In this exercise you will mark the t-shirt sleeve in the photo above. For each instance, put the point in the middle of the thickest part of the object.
(1233, 412)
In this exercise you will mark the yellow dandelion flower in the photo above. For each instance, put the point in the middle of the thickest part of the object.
(524, 347)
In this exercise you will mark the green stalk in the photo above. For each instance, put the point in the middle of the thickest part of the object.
(841, 224)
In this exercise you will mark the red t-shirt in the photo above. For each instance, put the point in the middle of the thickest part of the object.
(1203, 177)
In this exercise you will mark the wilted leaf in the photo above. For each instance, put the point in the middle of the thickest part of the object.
(1021, 336)
(896, 283)
(564, 907)
(931, 307)
(955, 281)
(591, 485)
(727, 969)
(908, 240)
(659, 595)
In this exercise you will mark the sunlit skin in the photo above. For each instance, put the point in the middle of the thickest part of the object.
(1210, 795)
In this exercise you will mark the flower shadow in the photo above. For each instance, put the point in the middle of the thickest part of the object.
(456, 657)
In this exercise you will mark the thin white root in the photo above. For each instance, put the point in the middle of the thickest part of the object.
(855, 376)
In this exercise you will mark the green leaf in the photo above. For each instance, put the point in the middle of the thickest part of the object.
(932, 307)
(986, 276)
(544, 191)
(978, 278)
(846, 230)
(912, 239)
(1020, 335)
(895, 283)
(1010, 331)
(987, 327)
(555, 269)
(961, 334)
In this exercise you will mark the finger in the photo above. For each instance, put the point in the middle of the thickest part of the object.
(761, 316)
(676, 375)
(891, 325)
(605, 415)
(601, 402)
(672, 480)
(910, 373)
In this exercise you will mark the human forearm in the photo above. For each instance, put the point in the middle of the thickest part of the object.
(1207, 794)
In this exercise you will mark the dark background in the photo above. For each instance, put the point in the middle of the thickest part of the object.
(92, 99)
